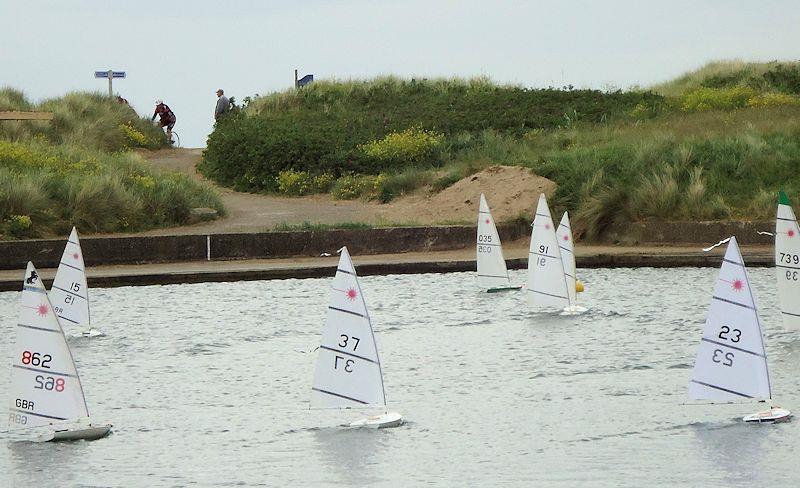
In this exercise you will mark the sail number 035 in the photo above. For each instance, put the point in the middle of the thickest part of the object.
(484, 239)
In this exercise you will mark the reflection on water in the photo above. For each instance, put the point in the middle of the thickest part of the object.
(208, 385)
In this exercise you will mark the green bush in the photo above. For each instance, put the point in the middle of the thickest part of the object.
(411, 146)
(773, 100)
(299, 183)
(350, 187)
(320, 127)
(716, 98)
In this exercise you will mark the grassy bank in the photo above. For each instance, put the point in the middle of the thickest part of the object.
(80, 119)
(77, 170)
(382, 125)
(716, 143)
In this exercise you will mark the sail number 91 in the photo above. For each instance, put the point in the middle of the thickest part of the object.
(36, 359)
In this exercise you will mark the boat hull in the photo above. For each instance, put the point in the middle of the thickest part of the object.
(382, 421)
(90, 433)
(505, 288)
(773, 415)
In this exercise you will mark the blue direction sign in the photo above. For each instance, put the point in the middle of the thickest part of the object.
(305, 80)
(114, 74)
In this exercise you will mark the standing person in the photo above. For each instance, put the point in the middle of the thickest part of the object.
(166, 118)
(223, 104)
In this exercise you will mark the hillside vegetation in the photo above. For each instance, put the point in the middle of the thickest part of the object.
(77, 170)
(713, 144)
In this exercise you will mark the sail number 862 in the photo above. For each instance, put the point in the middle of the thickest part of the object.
(36, 359)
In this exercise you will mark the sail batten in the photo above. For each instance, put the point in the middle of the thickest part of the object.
(491, 265)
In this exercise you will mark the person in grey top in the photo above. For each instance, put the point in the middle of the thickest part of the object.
(223, 104)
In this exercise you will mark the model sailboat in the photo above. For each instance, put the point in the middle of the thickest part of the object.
(348, 372)
(547, 282)
(565, 242)
(731, 363)
(492, 271)
(70, 292)
(787, 262)
(46, 396)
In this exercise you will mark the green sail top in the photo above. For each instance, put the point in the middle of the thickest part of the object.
(782, 198)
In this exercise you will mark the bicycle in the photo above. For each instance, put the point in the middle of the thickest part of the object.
(176, 139)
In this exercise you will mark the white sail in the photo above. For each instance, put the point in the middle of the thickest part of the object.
(547, 284)
(492, 271)
(787, 262)
(45, 387)
(731, 363)
(564, 234)
(348, 370)
(70, 293)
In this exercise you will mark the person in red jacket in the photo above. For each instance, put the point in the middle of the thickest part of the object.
(166, 118)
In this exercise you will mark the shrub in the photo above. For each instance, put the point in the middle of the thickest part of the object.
(411, 146)
(350, 187)
(302, 183)
(716, 98)
(58, 186)
(328, 126)
(772, 100)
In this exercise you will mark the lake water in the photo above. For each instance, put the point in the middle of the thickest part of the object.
(208, 385)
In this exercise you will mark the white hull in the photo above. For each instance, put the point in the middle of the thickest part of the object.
(773, 415)
(573, 310)
(88, 333)
(382, 421)
(89, 433)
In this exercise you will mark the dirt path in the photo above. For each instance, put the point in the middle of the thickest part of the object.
(248, 212)
(511, 191)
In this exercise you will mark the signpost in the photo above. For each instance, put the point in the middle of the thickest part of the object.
(110, 74)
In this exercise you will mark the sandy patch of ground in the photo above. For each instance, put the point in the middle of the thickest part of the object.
(510, 191)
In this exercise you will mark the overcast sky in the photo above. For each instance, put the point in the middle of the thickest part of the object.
(182, 51)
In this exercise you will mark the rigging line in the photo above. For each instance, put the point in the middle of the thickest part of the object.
(723, 241)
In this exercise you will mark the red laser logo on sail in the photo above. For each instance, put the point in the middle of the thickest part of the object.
(566, 237)
(790, 233)
(351, 294)
(42, 310)
(737, 285)
(76, 256)
(488, 221)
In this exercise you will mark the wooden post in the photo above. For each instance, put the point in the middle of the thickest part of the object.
(295, 79)
(26, 115)
(110, 77)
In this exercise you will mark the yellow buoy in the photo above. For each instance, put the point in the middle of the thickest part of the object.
(579, 287)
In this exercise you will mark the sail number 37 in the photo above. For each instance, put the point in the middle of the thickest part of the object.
(344, 341)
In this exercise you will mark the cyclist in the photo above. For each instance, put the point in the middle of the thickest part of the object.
(166, 118)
